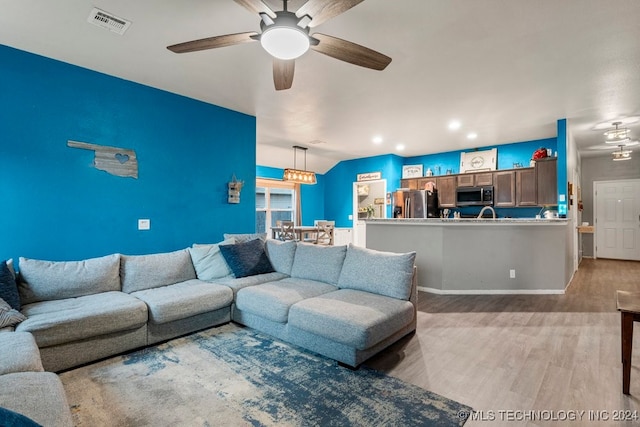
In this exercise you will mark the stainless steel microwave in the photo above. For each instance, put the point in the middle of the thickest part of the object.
(474, 196)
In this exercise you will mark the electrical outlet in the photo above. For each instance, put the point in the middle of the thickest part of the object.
(144, 224)
(512, 274)
(350, 217)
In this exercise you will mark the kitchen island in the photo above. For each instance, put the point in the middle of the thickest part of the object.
(480, 256)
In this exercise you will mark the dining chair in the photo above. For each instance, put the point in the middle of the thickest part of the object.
(324, 236)
(287, 231)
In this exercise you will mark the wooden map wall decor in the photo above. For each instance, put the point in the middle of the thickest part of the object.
(113, 160)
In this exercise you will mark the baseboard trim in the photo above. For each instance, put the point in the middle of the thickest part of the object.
(492, 291)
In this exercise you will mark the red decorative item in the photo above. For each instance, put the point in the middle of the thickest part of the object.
(540, 153)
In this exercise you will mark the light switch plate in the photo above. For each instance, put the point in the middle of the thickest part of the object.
(144, 224)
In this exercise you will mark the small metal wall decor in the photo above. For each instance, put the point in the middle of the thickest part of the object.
(234, 190)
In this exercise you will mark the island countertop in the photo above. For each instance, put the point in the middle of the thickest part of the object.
(468, 221)
(480, 255)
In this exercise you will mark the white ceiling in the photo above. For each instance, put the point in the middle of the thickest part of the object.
(507, 69)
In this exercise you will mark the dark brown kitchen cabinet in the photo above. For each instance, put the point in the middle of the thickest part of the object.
(410, 183)
(446, 186)
(526, 190)
(504, 189)
(423, 181)
(547, 181)
(478, 179)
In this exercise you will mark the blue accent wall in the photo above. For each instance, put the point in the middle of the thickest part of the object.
(562, 165)
(57, 206)
(339, 184)
(312, 196)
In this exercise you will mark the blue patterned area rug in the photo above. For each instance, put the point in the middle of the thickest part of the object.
(234, 376)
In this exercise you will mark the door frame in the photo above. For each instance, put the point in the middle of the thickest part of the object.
(354, 196)
(595, 206)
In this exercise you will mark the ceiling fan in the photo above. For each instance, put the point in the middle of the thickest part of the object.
(285, 35)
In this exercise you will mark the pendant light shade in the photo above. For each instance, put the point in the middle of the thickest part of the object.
(301, 176)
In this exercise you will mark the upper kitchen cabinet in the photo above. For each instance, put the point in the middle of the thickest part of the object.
(446, 186)
(478, 179)
(547, 181)
(526, 194)
(504, 188)
(410, 183)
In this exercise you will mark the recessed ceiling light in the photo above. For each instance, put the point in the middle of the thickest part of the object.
(454, 125)
(472, 135)
(377, 139)
(400, 147)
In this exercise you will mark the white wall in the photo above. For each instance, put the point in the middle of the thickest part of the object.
(602, 168)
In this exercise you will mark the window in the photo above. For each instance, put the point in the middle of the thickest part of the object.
(275, 201)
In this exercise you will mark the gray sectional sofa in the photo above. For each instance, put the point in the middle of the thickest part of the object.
(347, 303)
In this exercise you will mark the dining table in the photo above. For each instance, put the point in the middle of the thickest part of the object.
(301, 231)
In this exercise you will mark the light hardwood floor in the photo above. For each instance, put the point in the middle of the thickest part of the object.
(524, 353)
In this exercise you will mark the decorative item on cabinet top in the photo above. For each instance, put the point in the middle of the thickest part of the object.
(474, 161)
(411, 171)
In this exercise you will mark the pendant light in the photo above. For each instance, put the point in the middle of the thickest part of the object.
(617, 134)
(621, 154)
(296, 175)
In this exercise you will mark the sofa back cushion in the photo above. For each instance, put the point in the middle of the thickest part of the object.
(245, 237)
(140, 272)
(382, 273)
(281, 255)
(209, 262)
(317, 262)
(53, 280)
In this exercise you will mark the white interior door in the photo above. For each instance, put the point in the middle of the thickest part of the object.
(617, 219)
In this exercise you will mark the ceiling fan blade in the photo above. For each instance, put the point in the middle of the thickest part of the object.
(256, 6)
(212, 42)
(350, 52)
(322, 10)
(283, 73)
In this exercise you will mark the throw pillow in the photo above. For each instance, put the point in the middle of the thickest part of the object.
(8, 286)
(247, 259)
(242, 238)
(14, 419)
(382, 273)
(209, 262)
(9, 316)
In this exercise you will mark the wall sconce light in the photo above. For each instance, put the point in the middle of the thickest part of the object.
(234, 190)
(297, 175)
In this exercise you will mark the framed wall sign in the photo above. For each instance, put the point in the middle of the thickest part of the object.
(369, 176)
(411, 171)
(475, 161)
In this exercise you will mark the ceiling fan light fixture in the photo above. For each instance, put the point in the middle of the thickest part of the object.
(285, 42)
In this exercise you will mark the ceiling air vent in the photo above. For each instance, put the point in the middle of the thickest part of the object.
(109, 21)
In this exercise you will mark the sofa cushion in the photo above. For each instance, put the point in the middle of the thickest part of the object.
(209, 262)
(51, 280)
(140, 272)
(9, 316)
(242, 282)
(245, 237)
(184, 299)
(316, 262)
(281, 255)
(247, 259)
(354, 318)
(19, 353)
(383, 273)
(8, 286)
(36, 395)
(72, 319)
(272, 300)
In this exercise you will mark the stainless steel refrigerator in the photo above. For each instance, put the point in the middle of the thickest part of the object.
(416, 204)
